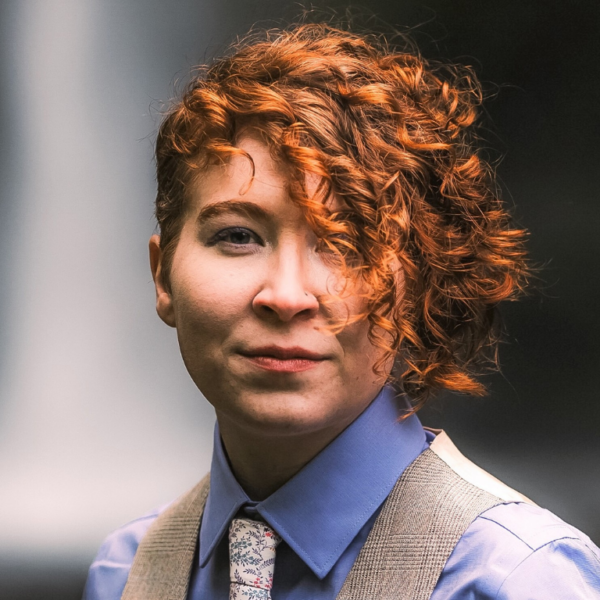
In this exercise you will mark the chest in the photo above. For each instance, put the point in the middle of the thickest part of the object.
(402, 557)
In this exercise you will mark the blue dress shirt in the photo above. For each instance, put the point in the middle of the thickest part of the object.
(325, 512)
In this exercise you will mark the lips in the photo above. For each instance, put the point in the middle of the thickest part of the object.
(283, 360)
(284, 353)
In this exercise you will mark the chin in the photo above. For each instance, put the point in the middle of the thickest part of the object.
(277, 413)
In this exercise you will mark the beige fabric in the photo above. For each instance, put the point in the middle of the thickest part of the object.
(428, 510)
(469, 471)
(163, 562)
(423, 518)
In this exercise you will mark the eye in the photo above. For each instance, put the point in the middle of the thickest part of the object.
(236, 236)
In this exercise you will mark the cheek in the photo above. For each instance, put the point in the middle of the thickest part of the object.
(209, 300)
(354, 338)
(359, 358)
(355, 342)
(360, 355)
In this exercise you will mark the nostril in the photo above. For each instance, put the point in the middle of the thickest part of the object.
(267, 308)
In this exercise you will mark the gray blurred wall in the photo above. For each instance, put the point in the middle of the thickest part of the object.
(98, 420)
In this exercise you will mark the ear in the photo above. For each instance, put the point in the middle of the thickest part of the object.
(164, 302)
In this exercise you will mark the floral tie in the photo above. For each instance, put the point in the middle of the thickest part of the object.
(252, 559)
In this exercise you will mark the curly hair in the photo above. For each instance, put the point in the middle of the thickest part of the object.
(392, 136)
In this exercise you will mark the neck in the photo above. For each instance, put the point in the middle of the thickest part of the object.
(262, 464)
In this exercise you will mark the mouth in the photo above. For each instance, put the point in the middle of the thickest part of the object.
(283, 360)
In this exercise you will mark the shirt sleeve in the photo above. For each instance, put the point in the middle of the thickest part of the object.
(517, 551)
(566, 568)
(106, 581)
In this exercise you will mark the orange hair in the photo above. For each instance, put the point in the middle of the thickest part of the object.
(392, 136)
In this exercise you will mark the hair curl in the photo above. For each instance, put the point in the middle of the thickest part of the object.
(393, 137)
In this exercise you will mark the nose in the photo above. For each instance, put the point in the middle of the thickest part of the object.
(286, 293)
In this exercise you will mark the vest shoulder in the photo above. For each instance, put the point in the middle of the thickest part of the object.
(521, 517)
(445, 449)
(120, 545)
(108, 573)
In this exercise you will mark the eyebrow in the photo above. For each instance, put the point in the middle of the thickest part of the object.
(241, 207)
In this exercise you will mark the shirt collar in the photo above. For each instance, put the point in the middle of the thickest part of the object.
(225, 498)
(321, 509)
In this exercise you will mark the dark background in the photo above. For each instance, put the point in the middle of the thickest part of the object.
(538, 428)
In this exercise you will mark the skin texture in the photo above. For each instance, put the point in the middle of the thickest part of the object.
(245, 278)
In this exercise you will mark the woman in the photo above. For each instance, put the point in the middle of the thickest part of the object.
(332, 250)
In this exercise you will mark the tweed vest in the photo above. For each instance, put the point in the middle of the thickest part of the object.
(431, 505)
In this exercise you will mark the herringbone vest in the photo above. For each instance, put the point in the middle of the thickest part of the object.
(430, 507)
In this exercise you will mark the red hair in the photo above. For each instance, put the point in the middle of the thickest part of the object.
(392, 136)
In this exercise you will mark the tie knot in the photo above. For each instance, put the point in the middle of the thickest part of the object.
(252, 547)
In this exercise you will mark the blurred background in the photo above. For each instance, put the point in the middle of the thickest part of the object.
(99, 421)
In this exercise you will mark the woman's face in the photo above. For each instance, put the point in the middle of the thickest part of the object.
(247, 291)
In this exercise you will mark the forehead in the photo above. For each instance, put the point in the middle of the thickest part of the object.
(235, 179)
(262, 179)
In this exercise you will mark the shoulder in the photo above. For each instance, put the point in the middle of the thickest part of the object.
(521, 551)
(514, 550)
(108, 573)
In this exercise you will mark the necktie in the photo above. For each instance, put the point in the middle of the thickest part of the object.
(251, 559)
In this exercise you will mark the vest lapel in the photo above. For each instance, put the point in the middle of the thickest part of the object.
(423, 518)
(425, 515)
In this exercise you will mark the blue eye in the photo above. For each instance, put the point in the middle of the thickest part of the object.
(236, 236)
